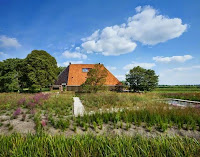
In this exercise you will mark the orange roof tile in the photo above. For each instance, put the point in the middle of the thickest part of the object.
(77, 77)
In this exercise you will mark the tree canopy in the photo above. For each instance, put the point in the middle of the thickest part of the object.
(41, 68)
(141, 79)
(38, 69)
(96, 78)
(10, 74)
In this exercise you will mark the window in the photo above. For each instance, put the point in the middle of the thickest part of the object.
(85, 70)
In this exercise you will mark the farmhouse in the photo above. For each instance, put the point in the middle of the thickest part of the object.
(75, 75)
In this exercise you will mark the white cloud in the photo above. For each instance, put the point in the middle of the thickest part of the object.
(172, 59)
(185, 68)
(147, 27)
(109, 43)
(9, 42)
(72, 62)
(180, 76)
(111, 68)
(78, 55)
(135, 64)
(120, 77)
(1, 53)
(78, 49)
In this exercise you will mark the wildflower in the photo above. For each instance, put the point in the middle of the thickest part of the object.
(17, 112)
(22, 101)
(31, 104)
(43, 122)
(33, 111)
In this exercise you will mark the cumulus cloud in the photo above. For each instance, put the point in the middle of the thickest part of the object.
(172, 59)
(147, 27)
(109, 43)
(78, 55)
(143, 65)
(72, 62)
(9, 42)
(111, 68)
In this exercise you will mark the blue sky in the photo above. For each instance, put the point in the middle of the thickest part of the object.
(155, 34)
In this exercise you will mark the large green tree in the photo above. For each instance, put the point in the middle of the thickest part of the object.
(141, 79)
(41, 69)
(11, 75)
(96, 78)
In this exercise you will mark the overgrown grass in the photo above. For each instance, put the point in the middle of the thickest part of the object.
(90, 145)
(94, 101)
(187, 96)
(161, 117)
(177, 89)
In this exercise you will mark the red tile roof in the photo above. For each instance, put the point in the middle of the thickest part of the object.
(77, 77)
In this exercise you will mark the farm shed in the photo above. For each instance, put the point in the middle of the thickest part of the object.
(75, 75)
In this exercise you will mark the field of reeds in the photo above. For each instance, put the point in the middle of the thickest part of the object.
(185, 96)
(106, 100)
(90, 145)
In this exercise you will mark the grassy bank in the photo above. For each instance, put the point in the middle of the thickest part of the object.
(90, 145)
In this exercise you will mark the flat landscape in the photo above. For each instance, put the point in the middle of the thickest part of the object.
(140, 121)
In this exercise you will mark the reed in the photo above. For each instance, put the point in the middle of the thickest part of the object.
(90, 145)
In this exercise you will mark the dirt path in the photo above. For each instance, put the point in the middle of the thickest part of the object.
(78, 107)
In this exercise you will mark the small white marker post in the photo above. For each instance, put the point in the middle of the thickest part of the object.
(78, 107)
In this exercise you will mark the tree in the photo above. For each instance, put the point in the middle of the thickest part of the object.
(60, 69)
(141, 79)
(10, 75)
(96, 78)
(41, 69)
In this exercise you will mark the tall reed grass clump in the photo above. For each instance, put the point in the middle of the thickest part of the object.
(109, 99)
(90, 145)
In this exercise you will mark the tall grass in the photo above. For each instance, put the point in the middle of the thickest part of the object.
(90, 145)
(94, 101)
(162, 118)
(186, 96)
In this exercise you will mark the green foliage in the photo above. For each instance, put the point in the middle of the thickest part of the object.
(90, 145)
(141, 79)
(41, 68)
(96, 78)
(60, 69)
(11, 75)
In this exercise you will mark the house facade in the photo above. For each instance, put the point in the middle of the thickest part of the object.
(75, 75)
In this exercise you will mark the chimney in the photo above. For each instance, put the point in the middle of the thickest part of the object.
(99, 63)
(69, 63)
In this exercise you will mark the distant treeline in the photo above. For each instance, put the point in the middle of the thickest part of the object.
(178, 86)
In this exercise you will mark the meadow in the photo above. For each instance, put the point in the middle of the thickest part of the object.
(114, 124)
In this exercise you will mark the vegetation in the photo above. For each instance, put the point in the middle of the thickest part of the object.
(90, 145)
(39, 69)
(177, 89)
(141, 79)
(11, 75)
(107, 99)
(185, 96)
(96, 78)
